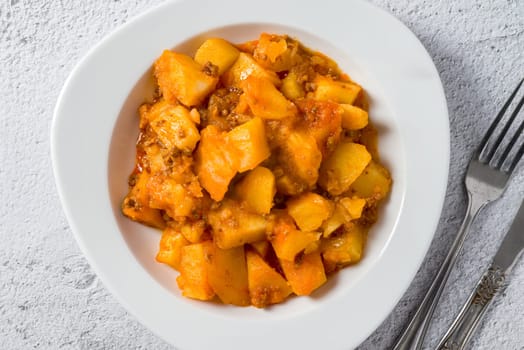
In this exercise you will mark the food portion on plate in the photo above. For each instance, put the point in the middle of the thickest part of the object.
(260, 166)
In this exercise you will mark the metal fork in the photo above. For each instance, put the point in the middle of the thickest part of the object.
(486, 179)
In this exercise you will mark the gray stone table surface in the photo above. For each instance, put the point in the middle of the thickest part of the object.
(49, 296)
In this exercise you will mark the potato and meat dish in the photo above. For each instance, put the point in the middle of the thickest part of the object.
(259, 164)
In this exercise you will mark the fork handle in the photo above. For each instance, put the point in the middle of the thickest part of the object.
(463, 327)
(413, 335)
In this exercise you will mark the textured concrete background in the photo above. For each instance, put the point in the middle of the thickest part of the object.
(49, 296)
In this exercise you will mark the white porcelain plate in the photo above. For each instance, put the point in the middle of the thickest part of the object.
(96, 125)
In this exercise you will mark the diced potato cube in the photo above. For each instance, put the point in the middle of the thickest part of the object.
(346, 248)
(246, 66)
(337, 219)
(301, 157)
(227, 275)
(305, 275)
(233, 226)
(309, 210)
(250, 141)
(287, 241)
(257, 190)
(374, 182)
(353, 118)
(217, 51)
(193, 280)
(168, 194)
(291, 88)
(170, 250)
(270, 47)
(180, 78)
(266, 286)
(336, 91)
(216, 162)
(174, 189)
(173, 126)
(345, 164)
(288, 246)
(265, 101)
(275, 52)
(136, 204)
(354, 206)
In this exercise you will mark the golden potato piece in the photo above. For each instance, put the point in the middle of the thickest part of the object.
(374, 182)
(344, 166)
(266, 286)
(287, 241)
(173, 126)
(217, 51)
(300, 158)
(246, 66)
(354, 206)
(216, 162)
(345, 248)
(136, 204)
(338, 218)
(276, 52)
(180, 78)
(328, 89)
(257, 190)
(193, 280)
(353, 118)
(291, 87)
(270, 47)
(265, 101)
(172, 196)
(170, 248)
(306, 275)
(309, 210)
(288, 245)
(233, 226)
(249, 139)
(227, 275)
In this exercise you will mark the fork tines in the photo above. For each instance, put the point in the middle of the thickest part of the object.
(497, 153)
